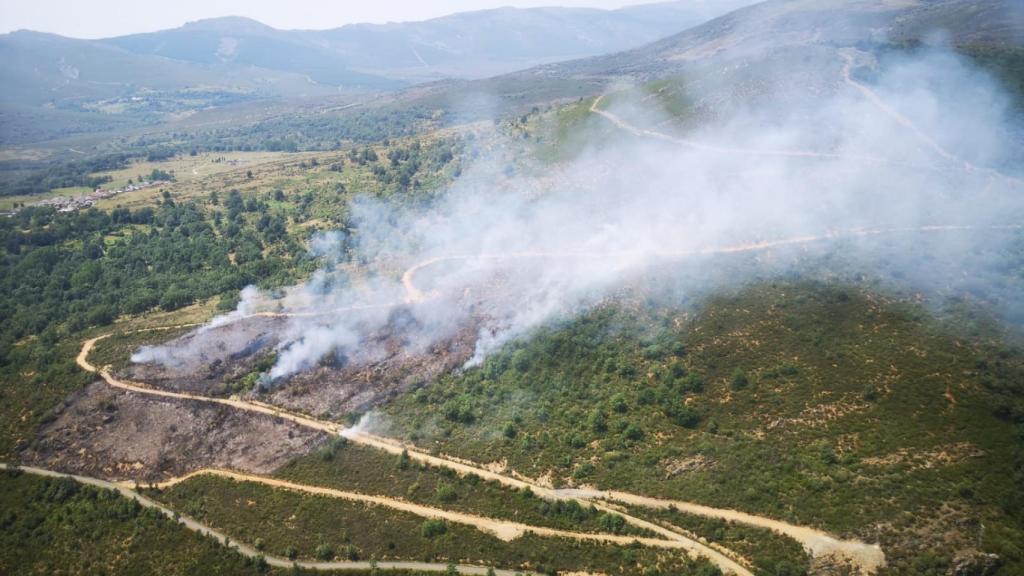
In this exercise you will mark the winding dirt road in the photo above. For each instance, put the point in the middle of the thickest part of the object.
(502, 529)
(618, 121)
(415, 294)
(867, 557)
(869, 94)
(505, 530)
(249, 551)
(248, 405)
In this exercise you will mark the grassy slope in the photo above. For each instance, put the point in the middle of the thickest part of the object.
(861, 415)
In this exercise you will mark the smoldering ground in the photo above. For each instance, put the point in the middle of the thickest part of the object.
(903, 171)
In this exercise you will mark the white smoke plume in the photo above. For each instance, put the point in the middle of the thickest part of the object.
(927, 142)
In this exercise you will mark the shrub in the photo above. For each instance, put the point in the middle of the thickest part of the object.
(324, 552)
(432, 528)
(739, 380)
(619, 404)
(446, 492)
(612, 522)
(684, 416)
(692, 384)
(403, 460)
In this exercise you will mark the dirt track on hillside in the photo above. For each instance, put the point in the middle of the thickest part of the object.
(249, 551)
(814, 541)
(865, 556)
(674, 539)
(502, 529)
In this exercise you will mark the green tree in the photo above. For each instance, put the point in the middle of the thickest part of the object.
(633, 432)
(432, 527)
(446, 492)
(739, 379)
(324, 552)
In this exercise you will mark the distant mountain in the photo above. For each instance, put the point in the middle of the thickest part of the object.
(236, 41)
(38, 67)
(57, 86)
(488, 42)
(776, 25)
(464, 45)
(787, 45)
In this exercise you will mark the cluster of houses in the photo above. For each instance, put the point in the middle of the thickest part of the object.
(72, 203)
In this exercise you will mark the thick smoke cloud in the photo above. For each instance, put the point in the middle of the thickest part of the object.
(506, 254)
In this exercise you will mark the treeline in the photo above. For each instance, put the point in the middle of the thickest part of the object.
(41, 180)
(295, 133)
(303, 132)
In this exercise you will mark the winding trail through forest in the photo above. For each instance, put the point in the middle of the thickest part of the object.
(871, 96)
(127, 491)
(249, 405)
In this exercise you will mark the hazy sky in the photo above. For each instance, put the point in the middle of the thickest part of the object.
(101, 18)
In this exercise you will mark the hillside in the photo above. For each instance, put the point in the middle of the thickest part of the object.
(848, 410)
(63, 86)
(747, 300)
(793, 42)
(463, 45)
(777, 25)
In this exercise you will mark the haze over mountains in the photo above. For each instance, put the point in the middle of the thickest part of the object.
(468, 44)
(240, 54)
(58, 87)
(778, 25)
